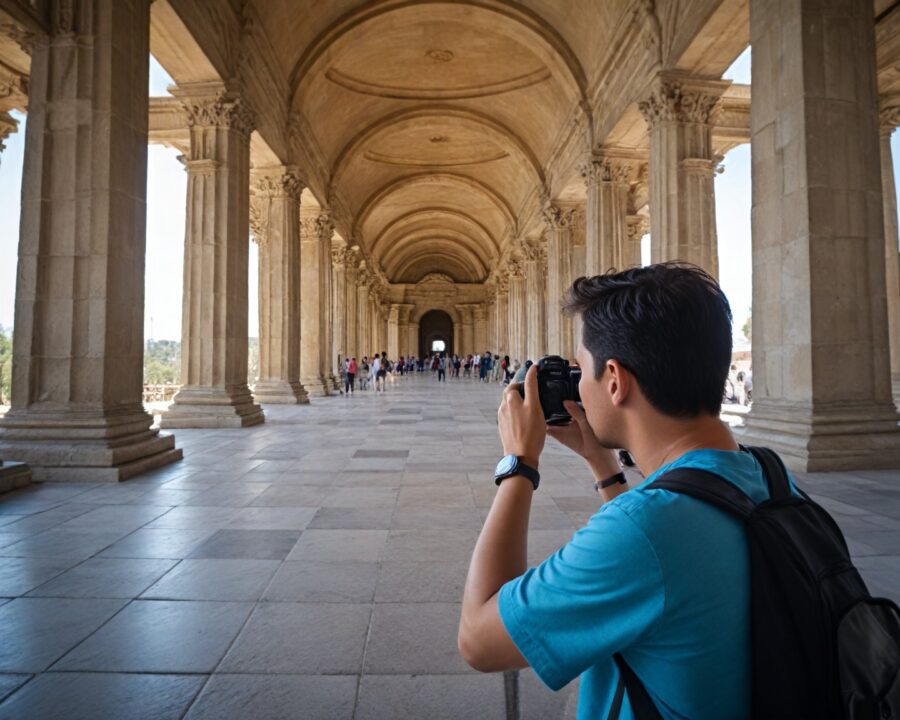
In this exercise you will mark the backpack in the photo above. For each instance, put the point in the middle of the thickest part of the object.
(822, 646)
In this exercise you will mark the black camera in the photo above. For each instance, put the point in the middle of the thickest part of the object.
(557, 382)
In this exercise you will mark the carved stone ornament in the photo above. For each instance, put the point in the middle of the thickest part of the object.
(637, 226)
(325, 225)
(309, 227)
(13, 85)
(220, 110)
(282, 184)
(606, 169)
(515, 269)
(62, 17)
(257, 223)
(435, 278)
(670, 101)
(890, 117)
(556, 217)
(23, 38)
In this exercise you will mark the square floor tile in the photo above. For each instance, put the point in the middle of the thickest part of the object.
(366, 497)
(269, 697)
(412, 582)
(441, 496)
(8, 683)
(60, 543)
(339, 518)
(194, 518)
(248, 544)
(340, 546)
(430, 545)
(273, 518)
(19, 575)
(322, 582)
(435, 697)
(105, 577)
(414, 639)
(88, 696)
(158, 543)
(290, 496)
(305, 638)
(423, 518)
(156, 636)
(229, 580)
(36, 631)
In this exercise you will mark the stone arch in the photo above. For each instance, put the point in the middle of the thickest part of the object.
(435, 324)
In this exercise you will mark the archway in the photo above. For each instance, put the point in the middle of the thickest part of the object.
(435, 325)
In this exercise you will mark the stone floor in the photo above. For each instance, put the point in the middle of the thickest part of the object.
(311, 567)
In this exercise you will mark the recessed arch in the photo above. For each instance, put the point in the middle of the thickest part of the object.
(530, 28)
(428, 178)
(436, 260)
(435, 216)
(407, 118)
(434, 245)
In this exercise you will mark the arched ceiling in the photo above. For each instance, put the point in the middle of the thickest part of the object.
(434, 120)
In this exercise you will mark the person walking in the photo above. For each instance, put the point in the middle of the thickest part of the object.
(352, 369)
(364, 373)
(442, 369)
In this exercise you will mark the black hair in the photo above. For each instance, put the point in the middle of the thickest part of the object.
(669, 324)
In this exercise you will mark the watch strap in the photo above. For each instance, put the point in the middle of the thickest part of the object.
(524, 470)
(617, 479)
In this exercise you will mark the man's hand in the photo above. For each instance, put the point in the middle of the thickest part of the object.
(523, 429)
(578, 437)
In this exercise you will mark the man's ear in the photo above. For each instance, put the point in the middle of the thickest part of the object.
(619, 382)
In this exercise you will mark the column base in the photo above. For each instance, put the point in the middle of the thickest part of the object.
(317, 386)
(212, 407)
(86, 445)
(337, 385)
(845, 437)
(14, 475)
(280, 392)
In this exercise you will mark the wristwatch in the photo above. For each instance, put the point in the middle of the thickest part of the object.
(617, 479)
(510, 465)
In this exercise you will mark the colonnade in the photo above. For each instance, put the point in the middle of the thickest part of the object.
(826, 342)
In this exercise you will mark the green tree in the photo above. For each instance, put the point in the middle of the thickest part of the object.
(5, 364)
(747, 327)
(162, 362)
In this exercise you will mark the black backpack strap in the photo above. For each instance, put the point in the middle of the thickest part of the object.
(775, 472)
(642, 706)
(708, 487)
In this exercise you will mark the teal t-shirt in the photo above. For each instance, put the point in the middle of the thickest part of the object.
(660, 577)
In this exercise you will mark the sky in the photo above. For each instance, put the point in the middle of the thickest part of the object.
(166, 192)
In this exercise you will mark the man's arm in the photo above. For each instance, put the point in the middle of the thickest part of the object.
(501, 551)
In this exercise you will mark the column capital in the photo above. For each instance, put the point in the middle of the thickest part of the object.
(213, 105)
(325, 224)
(13, 87)
(281, 181)
(610, 165)
(889, 116)
(680, 97)
(557, 216)
(637, 226)
(8, 125)
(479, 311)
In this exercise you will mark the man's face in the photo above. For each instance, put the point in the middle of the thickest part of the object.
(595, 398)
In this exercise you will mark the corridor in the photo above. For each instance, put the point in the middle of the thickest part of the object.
(308, 567)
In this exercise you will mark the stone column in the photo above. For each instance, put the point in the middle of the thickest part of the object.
(517, 316)
(579, 262)
(467, 336)
(502, 315)
(821, 372)
(682, 195)
(535, 300)
(352, 316)
(329, 359)
(315, 246)
(404, 347)
(479, 316)
(362, 312)
(558, 223)
(414, 338)
(338, 302)
(275, 215)
(393, 332)
(607, 178)
(890, 118)
(636, 227)
(79, 315)
(214, 316)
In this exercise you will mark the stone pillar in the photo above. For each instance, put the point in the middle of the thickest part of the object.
(517, 316)
(315, 246)
(404, 347)
(78, 341)
(607, 178)
(821, 372)
(393, 332)
(351, 316)
(465, 336)
(329, 359)
(275, 216)
(479, 316)
(502, 315)
(414, 338)
(636, 227)
(558, 222)
(214, 317)
(339, 302)
(362, 312)
(890, 118)
(682, 194)
(535, 300)
(579, 262)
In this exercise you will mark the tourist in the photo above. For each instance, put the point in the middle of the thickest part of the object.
(364, 373)
(485, 366)
(476, 365)
(500, 367)
(381, 371)
(467, 366)
(507, 374)
(457, 364)
(441, 368)
(660, 577)
(351, 375)
(375, 370)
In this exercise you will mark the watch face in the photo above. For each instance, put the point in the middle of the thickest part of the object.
(506, 465)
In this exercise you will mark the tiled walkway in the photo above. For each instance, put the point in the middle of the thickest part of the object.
(308, 568)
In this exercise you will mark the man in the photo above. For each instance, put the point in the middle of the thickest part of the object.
(659, 577)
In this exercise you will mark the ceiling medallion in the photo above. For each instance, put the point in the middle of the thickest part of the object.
(439, 139)
(442, 56)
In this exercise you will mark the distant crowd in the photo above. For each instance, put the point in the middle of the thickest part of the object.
(379, 370)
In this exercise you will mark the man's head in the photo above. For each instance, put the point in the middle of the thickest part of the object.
(657, 338)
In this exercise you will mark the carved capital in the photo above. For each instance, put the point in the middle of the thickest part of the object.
(515, 269)
(258, 224)
(534, 253)
(280, 183)
(221, 109)
(556, 217)
(889, 118)
(607, 169)
(325, 225)
(8, 126)
(682, 101)
(636, 226)
(23, 38)
(14, 86)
